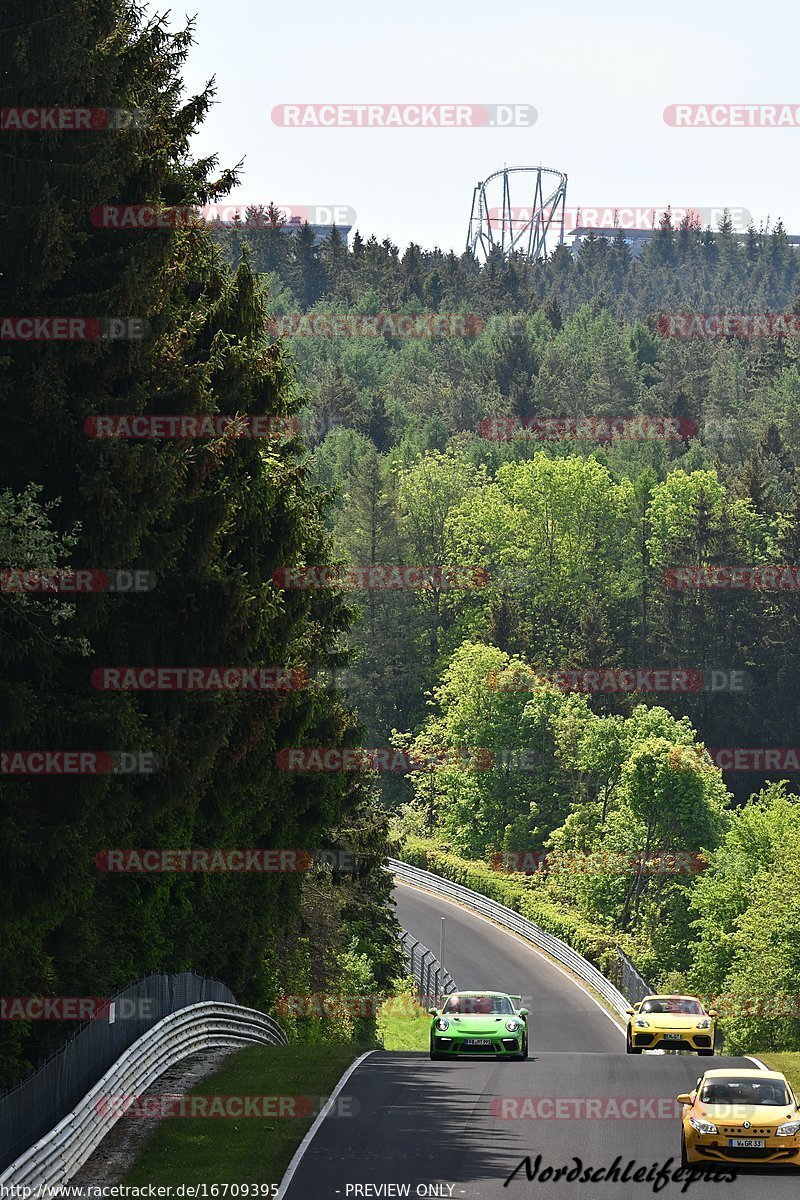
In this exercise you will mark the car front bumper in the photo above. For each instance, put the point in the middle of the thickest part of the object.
(715, 1148)
(687, 1039)
(510, 1044)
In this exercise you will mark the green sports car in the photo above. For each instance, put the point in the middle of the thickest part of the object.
(479, 1023)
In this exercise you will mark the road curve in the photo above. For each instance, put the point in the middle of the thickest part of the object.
(407, 1126)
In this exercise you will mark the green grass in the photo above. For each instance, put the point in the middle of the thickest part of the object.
(788, 1062)
(246, 1149)
(403, 1025)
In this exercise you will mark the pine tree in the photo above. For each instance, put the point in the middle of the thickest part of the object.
(212, 519)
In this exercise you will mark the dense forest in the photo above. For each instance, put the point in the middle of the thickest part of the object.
(437, 452)
(423, 451)
(210, 520)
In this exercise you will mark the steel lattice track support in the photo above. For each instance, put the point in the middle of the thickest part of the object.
(522, 227)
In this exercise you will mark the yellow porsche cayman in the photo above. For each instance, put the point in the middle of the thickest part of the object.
(670, 1023)
(739, 1117)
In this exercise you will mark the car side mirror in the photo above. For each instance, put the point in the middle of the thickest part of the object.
(432, 1012)
(712, 1012)
(684, 1098)
(523, 1012)
(629, 1011)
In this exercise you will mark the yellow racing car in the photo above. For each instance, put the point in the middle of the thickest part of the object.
(670, 1023)
(737, 1116)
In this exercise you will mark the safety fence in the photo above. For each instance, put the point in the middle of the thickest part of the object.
(427, 970)
(40, 1101)
(634, 985)
(203, 1027)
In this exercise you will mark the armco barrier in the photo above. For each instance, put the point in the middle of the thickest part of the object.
(57, 1156)
(36, 1104)
(508, 919)
(426, 969)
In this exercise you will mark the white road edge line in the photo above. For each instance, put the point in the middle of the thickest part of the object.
(762, 1066)
(534, 949)
(307, 1140)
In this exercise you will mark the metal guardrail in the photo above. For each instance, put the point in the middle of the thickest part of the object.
(508, 919)
(36, 1104)
(210, 1025)
(427, 970)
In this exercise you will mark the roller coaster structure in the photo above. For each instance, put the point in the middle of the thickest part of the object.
(497, 224)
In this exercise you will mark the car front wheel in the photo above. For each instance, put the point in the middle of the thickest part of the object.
(629, 1046)
(684, 1155)
(435, 1055)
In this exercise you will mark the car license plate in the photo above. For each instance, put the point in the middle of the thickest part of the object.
(478, 1042)
(746, 1143)
(673, 1037)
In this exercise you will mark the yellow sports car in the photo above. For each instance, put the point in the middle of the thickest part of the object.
(740, 1117)
(670, 1023)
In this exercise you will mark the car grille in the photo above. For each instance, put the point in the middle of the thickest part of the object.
(702, 1039)
(737, 1131)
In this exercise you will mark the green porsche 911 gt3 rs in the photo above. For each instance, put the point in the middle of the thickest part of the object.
(479, 1023)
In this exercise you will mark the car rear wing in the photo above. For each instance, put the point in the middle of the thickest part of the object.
(517, 1000)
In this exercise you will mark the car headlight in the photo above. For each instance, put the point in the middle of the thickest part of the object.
(702, 1126)
(641, 1023)
(788, 1129)
(705, 1023)
(442, 1024)
(512, 1026)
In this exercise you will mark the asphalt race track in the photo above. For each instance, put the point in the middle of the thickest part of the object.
(459, 1129)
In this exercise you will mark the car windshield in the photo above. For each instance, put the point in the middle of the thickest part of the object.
(480, 1005)
(673, 1004)
(745, 1091)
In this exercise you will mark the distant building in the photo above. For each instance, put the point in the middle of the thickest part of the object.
(635, 239)
(321, 232)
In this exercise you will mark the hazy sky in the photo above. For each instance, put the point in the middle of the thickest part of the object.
(599, 76)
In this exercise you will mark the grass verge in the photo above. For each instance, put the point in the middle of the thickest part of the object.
(247, 1149)
(788, 1062)
(403, 1025)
